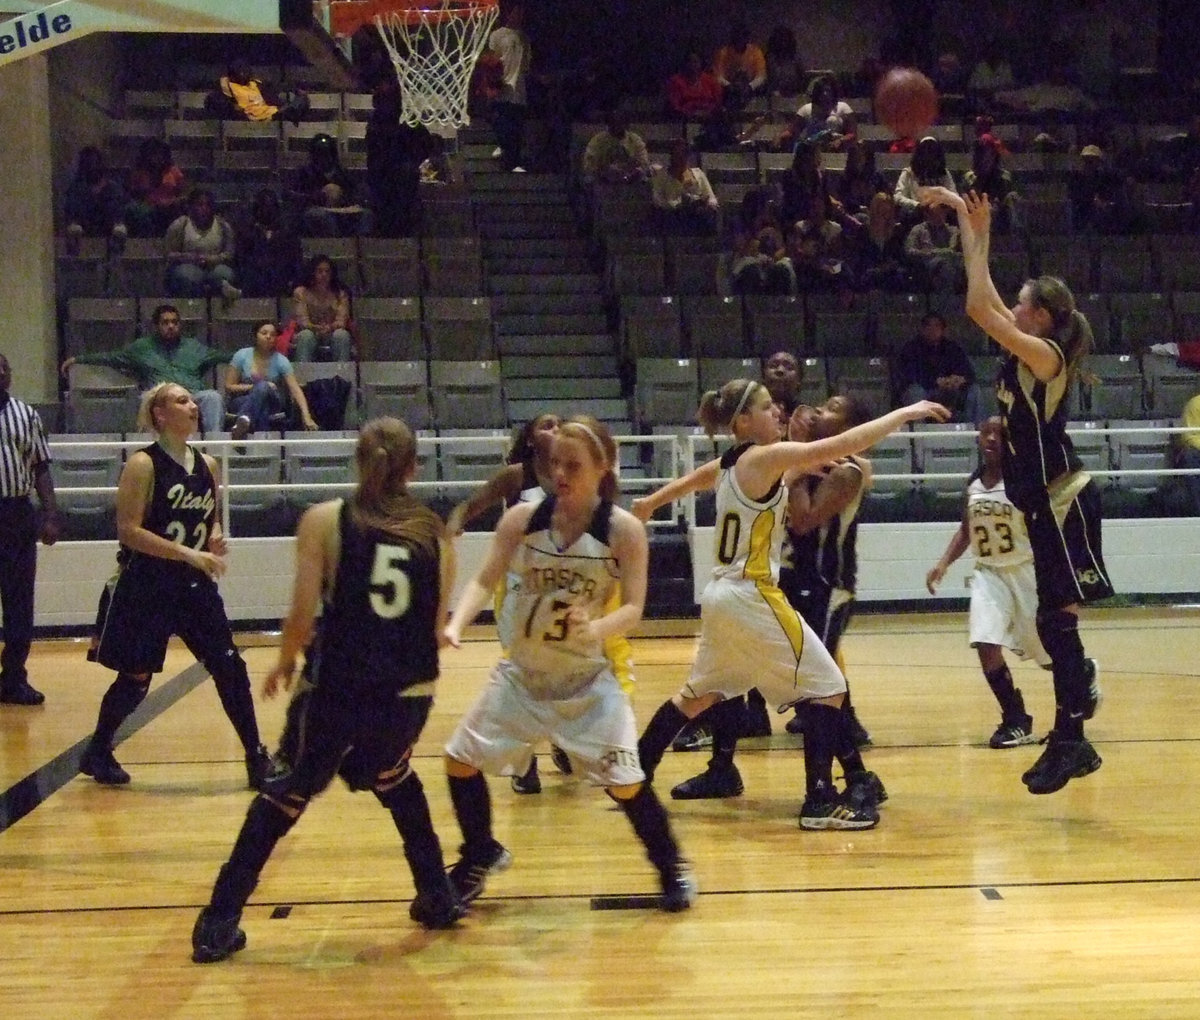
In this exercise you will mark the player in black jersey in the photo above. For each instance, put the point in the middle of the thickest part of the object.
(1046, 338)
(172, 552)
(383, 569)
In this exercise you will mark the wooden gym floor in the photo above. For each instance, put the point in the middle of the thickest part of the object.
(972, 898)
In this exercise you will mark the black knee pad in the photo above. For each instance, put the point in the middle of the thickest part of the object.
(1059, 631)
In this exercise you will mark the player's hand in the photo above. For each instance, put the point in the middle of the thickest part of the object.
(279, 679)
(51, 528)
(934, 578)
(208, 564)
(579, 623)
(978, 210)
(930, 409)
(218, 545)
(642, 509)
(450, 636)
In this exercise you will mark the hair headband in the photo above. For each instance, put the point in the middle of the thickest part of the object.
(745, 396)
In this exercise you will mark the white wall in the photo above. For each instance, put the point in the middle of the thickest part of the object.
(1143, 556)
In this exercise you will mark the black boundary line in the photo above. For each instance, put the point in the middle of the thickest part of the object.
(828, 890)
(29, 793)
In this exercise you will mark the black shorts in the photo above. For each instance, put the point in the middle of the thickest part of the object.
(826, 610)
(149, 604)
(1065, 536)
(368, 742)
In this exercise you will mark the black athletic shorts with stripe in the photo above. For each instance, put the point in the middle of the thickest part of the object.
(1065, 535)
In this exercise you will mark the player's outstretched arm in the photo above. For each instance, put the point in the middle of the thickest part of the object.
(704, 477)
(960, 541)
(478, 590)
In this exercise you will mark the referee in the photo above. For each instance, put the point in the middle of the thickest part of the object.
(24, 466)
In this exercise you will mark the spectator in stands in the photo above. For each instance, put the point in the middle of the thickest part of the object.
(694, 93)
(200, 249)
(616, 155)
(95, 203)
(683, 196)
(259, 382)
(877, 253)
(1056, 93)
(724, 132)
(927, 168)
(1103, 199)
(988, 176)
(949, 76)
(935, 366)
(785, 68)
(740, 66)
(992, 73)
(321, 306)
(818, 248)
(510, 43)
(395, 152)
(860, 181)
(157, 190)
(242, 96)
(783, 375)
(326, 193)
(824, 119)
(167, 357)
(268, 249)
(934, 251)
(804, 179)
(760, 263)
(1188, 455)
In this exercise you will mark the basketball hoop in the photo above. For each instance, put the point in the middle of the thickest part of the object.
(433, 45)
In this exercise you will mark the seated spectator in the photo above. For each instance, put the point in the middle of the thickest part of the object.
(328, 203)
(240, 95)
(877, 252)
(722, 132)
(615, 155)
(694, 93)
(683, 195)
(817, 248)
(804, 179)
(1057, 94)
(395, 154)
(783, 375)
(321, 305)
(934, 250)
(824, 119)
(740, 66)
(935, 367)
(760, 262)
(259, 382)
(988, 176)
(785, 69)
(859, 182)
(200, 249)
(1188, 455)
(95, 203)
(927, 168)
(991, 74)
(268, 249)
(949, 77)
(157, 190)
(167, 356)
(1104, 200)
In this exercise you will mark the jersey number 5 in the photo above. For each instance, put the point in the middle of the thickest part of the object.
(390, 590)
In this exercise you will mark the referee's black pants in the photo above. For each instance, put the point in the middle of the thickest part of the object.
(18, 567)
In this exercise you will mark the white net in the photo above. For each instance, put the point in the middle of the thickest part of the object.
(434, 48)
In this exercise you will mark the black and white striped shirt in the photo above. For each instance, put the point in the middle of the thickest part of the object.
(22, 447)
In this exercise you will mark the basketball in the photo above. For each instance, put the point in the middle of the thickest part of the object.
(906, 102)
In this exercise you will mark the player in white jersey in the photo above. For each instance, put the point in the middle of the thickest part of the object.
(749, 634)
(555, 681)
(1003, 586)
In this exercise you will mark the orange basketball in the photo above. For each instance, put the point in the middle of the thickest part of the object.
(906, 101)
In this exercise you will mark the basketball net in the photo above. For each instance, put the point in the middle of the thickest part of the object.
(434, 47)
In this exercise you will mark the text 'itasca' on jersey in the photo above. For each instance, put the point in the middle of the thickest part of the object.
(553, 581)
(996, 527)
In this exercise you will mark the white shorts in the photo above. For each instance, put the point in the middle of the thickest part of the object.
(595, 725)
(1004, 606)
(750, 636)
